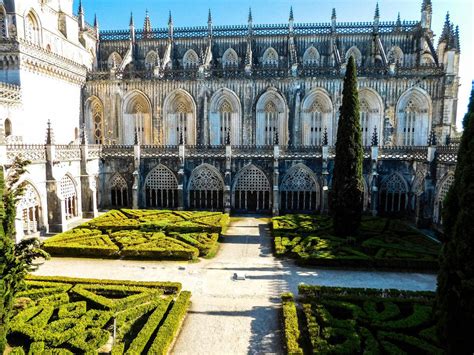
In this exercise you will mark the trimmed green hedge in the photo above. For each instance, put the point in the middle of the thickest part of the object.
(291, 327)
(382, 243)
(143, 234)
(77, 315)
(361, 321)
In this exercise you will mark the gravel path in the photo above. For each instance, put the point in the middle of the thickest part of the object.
(227, 316)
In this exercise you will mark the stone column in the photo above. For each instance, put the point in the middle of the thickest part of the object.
(374, 190)
(324, 196)
(88, 183)
(56, 209)
(182, 155)
(227, 177)
(276, 178)
(136, 174)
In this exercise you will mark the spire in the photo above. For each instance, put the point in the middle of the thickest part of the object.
(325, 136)
(170, 27)
(276, 140)
(132, 28)
(250, 22)
(96, 21)
(432, 140)
(250, 18)
(399, 21)
(209, 23)
(427, 6)
(227, 138)
(291, 18)
(147, 26)
(333, 16)
(49, 134)
(136, 140)
(426, 14)
(170, 19)
(82, 21)
(377, 11)
(375, 138)
(81, 9)
(457, 39)
(446, 29)
(84, 134)
(132, 22)
(333, 21)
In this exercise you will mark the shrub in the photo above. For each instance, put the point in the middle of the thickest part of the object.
(290, 319)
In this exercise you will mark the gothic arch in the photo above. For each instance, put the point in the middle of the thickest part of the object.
(179, 110)
(394, 195)
(114, 61)
(29, 208)
(136, 118)
(299, 190)
(272, 118)
(206, 188)
(311, 56)
(441, 192)
(68, 194)
(152, 60)
(414, 110)
(190, 59)
(95, 120)
(161, 188)
(33, 28)
(371, 115)
(230, 58)
(3, 23)
(118, 191)
(251, 190)
(355, 52)
(225, 117)
(395, 56)
(270, 57)
(316, 117)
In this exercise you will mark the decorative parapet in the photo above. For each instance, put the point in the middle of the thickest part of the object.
(10, 94)
(117, 151)
(447, 154)
(151, 151)
(404, 153)
(68, 153)
(94, 151)
(35, 153)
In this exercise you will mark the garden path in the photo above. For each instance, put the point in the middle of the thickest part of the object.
(228, 316)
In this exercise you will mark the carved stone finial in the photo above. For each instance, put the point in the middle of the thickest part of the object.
(181, 138)
(227, 138)
(432, 140)
(49, 134)
(277, 139)
(84, 134)
(325, 136)
(375, 138)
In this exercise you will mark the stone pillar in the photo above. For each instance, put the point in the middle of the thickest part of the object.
(135, 188)
(276, 178)
(227, 177)
(88, 183)
(136, 174)
(325, 192)
(374, 190)
(182, 155)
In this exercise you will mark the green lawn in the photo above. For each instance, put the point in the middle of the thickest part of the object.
(381, 243)
(327, 320)
(73, 316)
(143, 234)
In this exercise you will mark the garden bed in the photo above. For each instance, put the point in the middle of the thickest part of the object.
(382, 243)
(71, 316)
(327, 320)
(143, 234)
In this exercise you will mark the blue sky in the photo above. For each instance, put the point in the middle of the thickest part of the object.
(115, 14)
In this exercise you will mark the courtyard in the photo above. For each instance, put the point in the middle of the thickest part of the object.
(229, 316)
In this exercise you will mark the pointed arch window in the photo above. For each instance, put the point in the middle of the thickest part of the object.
(29, 208)
(271, 122)
(230, 58)
(206, 189)
(152, 60)
(68, 192)
(182, 110)
(118, 192)
(270, 57)
(32, 29)
(161, 188)
(225, 112)
(299, 190)
(114, 61)
(409, 124)
(443, 192)
(394, 195)
(190, 59)
(252, 190)
(364, 123)
(316, 122)
(311, 57)
(98, 122)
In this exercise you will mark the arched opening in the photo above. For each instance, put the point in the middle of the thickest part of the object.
(441, 196)
(152, 60)
(190, 59)
(272, 118)
(206, 189)
(180, 118)
(118, 191)
(414, 116)
(316, 118)
(161, 188)
(395, 56)
(230, 59)
(137, 119)
(371, 115)
(95, 121)
(311, 57)
(270, 58)
(67, 189)
(354, 52)
(29, 208)
(32, 29)
(299, 190)
(114, 61)
(251, 191)
(393, 196)
(225, 118)
(8, 127)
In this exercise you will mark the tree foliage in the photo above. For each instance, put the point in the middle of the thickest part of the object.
(347, 203)
(455, 293)
(16, 260)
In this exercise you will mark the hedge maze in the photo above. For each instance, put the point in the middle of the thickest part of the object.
(328, 320)
(74, 316)
(381, 243)
(143, 234)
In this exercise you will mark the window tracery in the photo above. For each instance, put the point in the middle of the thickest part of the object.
(311, 56)
(230, 58)
(206, 189)
(32, 29)
(29, 208)
(298, 190)
(161, 188)
(190, 59)
(394, 195)
(252, 190)
(118, 191)
(67, 189)
(270, 57)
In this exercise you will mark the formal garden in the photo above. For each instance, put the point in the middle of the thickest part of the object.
(380, 243)
(70, 316)
(325, 320)
(143, 234)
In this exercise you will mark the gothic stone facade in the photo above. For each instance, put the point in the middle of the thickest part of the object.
(244, 118)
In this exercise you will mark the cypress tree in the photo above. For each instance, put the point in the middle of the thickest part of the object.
(347, 185)
(16, 260)
(455, 293)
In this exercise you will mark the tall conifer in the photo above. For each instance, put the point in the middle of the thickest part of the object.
(455, 293)
(347, 185)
